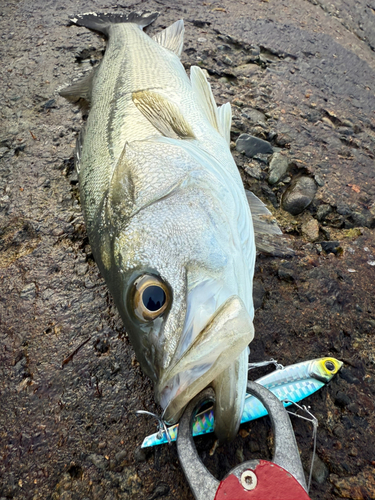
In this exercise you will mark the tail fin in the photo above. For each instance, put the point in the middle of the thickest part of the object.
(102, 22)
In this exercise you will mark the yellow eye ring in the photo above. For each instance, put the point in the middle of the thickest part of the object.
(151, 297)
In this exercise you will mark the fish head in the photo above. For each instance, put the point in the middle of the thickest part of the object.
(176, 282)
(325, 368)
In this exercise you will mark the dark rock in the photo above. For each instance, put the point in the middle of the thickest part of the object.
(121, 455)
(278, 168)
(99, 461)
(49, 104)
(339, 431)
(262, 158)
(258, 294)
(283, 139)
(323, 211)
(330, 246)
(270, 195)
(347, 423)
(101, 346)
(251, 145)
(363, 219)
(353, 408)
(161, 490)
(140, 454)
(342, 399)
(285, 274)
(299, 195)
(201, 24)
(346, 375)
(343, 209)
(254, 171)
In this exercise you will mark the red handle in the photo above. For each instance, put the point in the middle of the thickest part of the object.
(267, 481)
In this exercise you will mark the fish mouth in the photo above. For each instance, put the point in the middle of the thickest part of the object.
(215, 349)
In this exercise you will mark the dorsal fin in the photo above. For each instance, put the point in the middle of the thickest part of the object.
(268, 235)
(172, 38)
(220, 118)
(163, 114)
(204, 95)
(224, 118)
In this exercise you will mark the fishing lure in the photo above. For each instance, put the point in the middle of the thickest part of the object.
(290, 384)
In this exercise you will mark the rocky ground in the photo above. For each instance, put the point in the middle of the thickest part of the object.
(300, 76)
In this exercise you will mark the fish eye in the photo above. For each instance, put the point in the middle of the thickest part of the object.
(330, 366)
(150, 297)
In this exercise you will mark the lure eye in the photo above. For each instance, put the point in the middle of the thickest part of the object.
(150, 297)
(330, 366)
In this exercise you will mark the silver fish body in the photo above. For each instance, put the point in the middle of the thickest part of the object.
(167, 216)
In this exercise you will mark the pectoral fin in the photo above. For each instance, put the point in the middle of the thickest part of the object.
(163, 114)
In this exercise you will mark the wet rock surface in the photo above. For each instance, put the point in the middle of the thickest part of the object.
(300, 78)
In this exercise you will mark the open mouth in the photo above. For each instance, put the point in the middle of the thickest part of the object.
(213, 350)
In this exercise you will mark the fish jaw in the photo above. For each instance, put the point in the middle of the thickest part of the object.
(221, 341)
(230, 392)
(325, 368)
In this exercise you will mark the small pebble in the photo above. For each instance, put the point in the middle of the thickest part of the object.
(99, 461)
(330, 246)
(320, 471)
(161, 490)
(278, 168)
(310, 230)
(299, 195)
(253, 145)
(342, 399)
(140, 454)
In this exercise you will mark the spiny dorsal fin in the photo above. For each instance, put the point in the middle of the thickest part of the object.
(163, 114)
(268, 235)
(172, 38)
(204, 95)
(224, 118)
(79, 90)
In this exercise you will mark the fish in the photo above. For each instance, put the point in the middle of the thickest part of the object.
(290, 384)
(167, 216)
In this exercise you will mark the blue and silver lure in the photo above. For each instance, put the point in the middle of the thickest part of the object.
(292, 383)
